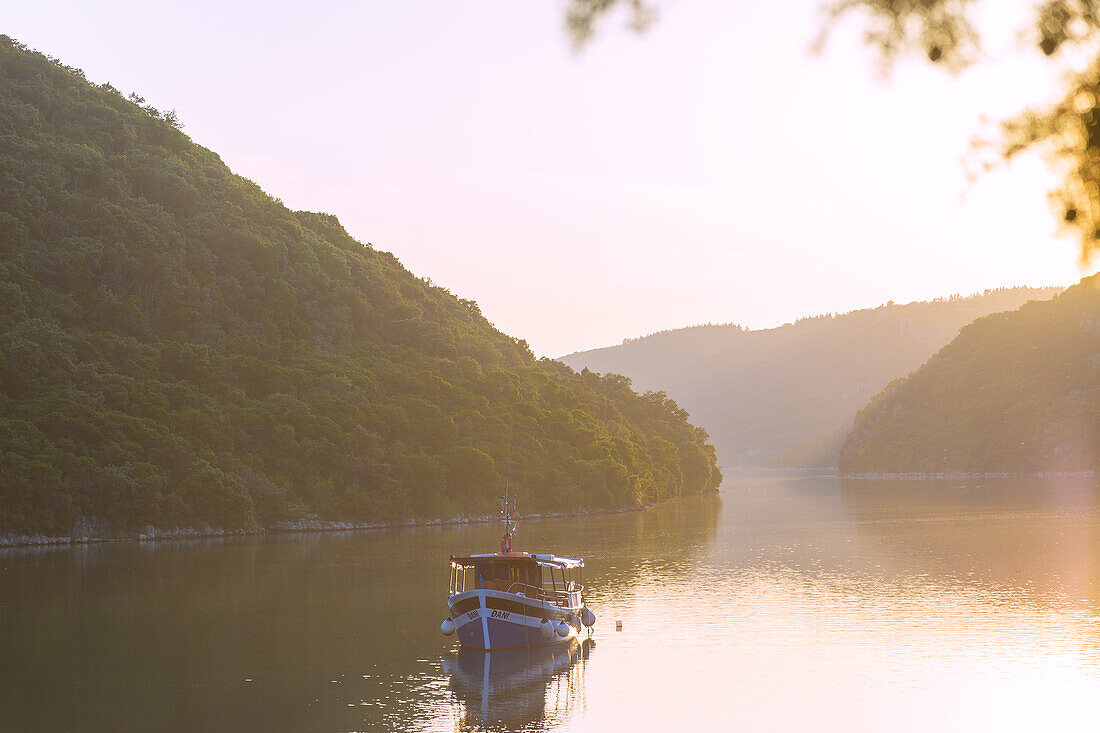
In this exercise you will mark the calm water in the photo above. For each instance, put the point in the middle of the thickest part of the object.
(786, 602)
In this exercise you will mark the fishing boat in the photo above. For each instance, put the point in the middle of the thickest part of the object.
(511, 600)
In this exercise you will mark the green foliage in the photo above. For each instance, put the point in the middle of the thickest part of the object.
(179, 349)
(1015, 392)
(582, 16)
(1065, 128)
(945, 32)
(787, 396)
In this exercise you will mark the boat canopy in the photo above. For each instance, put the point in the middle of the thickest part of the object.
(546, 561)
(552, 561)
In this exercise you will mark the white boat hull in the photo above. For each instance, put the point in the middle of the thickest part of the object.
(491, 619)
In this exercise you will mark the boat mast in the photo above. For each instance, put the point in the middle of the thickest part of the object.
(509, 521)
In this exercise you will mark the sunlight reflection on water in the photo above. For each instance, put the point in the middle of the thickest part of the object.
(787, 602)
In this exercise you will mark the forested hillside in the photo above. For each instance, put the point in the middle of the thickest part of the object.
(177, 348)
(786, 396)
(1015, 392)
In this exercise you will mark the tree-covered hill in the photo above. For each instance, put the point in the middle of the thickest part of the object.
(786, 396)
(177, 348)
(1015, 392)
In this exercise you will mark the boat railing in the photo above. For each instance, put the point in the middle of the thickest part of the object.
(558, 598)
(530, 591)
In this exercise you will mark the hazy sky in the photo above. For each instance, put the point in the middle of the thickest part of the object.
(709, 170)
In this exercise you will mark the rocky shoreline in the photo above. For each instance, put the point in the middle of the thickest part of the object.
(155, 534)
(972, 474)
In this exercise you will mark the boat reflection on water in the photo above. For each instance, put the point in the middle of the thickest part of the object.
(516, 689)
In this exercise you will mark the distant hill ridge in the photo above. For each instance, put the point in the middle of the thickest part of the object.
(787, 396)
(178, 349)
(1015, 392)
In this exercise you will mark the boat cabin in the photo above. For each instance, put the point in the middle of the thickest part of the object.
(534, 576)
